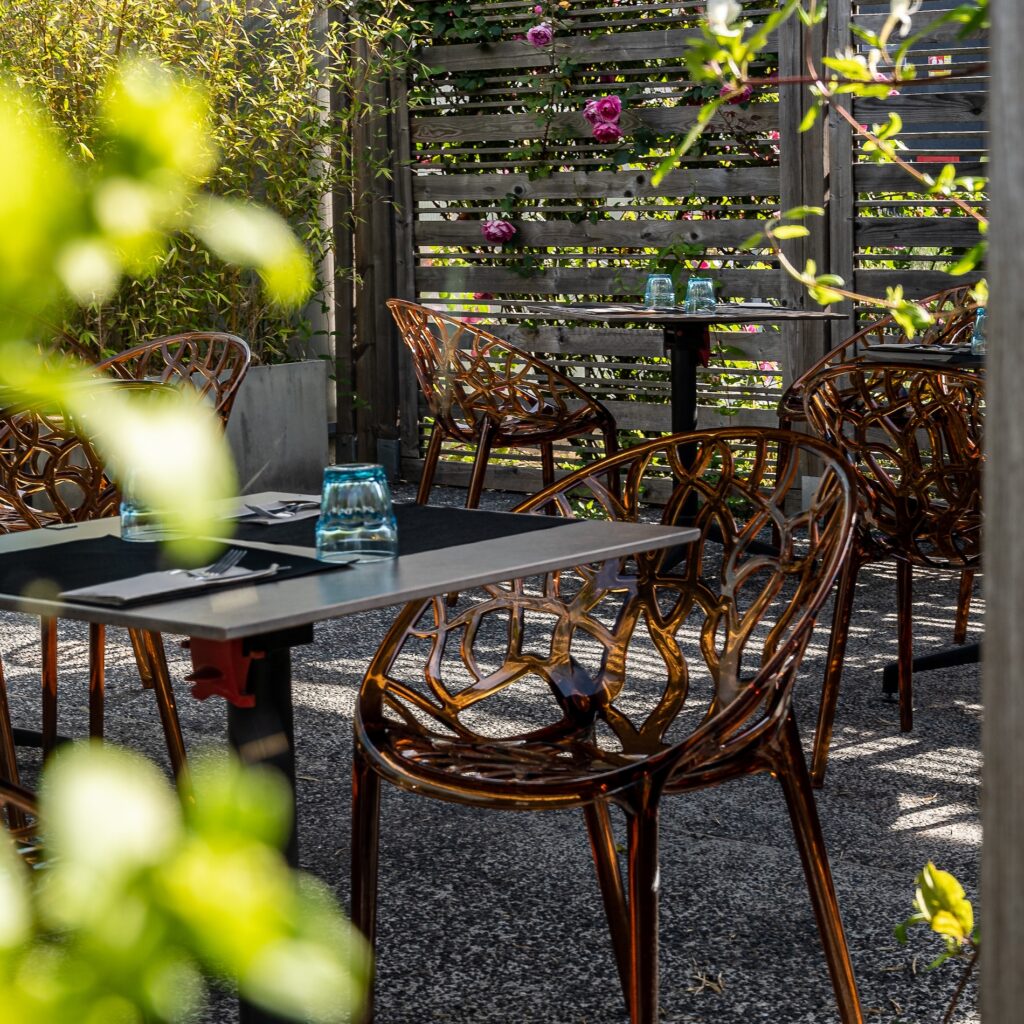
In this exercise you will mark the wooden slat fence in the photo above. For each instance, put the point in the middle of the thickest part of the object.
(473, 143)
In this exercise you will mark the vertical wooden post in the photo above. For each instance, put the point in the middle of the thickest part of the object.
(405, 263)
(841, 199)
(344, 310)
(376, 371)
(802, 174)
(1002, 880)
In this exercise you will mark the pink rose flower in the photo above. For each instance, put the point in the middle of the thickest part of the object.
(538, 9)
(483, 295)
(737, 95)
(497, 232)
(608, 108)
(605, 132)
(540, 35)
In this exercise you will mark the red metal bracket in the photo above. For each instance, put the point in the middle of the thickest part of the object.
(220, 668)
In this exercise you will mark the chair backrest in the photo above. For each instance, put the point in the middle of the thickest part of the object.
(211, 362)
(727, 624)
(914, 439)
(49, 471)
(954, 312)
(464, 370)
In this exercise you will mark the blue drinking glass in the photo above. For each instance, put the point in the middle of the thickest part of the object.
(357, 520)
(978, 337)
(700, 295)
(660, 291)
(138, 521)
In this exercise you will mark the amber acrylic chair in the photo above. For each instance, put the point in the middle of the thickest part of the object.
(211, 362)
(913, 437)
(485, 393)
(615, 685)
(51, 475)
(954, 312)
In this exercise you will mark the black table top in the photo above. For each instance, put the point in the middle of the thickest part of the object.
(282, 604)
(725, 313)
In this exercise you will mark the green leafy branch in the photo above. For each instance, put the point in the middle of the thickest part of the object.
(941, 904)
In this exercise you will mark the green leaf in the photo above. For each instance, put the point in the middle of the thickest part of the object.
(809, 119)
(970, 259)
(787, 231)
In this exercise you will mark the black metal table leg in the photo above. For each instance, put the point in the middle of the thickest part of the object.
(683, 342)
(948, 657)
(265, 734)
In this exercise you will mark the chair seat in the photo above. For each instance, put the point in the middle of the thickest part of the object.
(564, 769)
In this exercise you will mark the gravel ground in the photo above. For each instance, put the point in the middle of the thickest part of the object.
(494, 918)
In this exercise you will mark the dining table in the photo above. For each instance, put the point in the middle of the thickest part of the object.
(686, 335)
(241, 632)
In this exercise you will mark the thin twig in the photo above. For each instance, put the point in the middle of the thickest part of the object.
(947, 1019)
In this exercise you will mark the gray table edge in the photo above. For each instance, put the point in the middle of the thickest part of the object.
(237, 612)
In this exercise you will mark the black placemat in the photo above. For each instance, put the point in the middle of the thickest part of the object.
(420, 528)
(47, 571)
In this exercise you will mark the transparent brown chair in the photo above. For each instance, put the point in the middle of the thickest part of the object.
(485, 393)
(913, 437)
(212, 363)
(17, 805)
(51, 475)
(954, 311)
(616, 685)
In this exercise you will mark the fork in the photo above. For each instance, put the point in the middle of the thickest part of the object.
(286, 511)
(228, 560)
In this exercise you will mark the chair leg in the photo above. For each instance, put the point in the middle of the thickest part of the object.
(963, 606)
(609, 878)
(153, 647)
(643, 913)
(611, 447)
(8, 760)
(905, 655)
(791, 771)
(137, 637)
(483, 455)
(430, 465)
(547, 463)
(48, 643)
(365, 855)
(97, 678)
(834, 667)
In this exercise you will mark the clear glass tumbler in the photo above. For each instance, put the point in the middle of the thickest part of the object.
(659, 291)
(357, 520)
(978, 336)
(700, 295)
(138, 521)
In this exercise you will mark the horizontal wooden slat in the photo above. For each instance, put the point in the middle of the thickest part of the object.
(910, 231)
(763, 345)
(711, 181)
(925, 21)
(577, 281)
(890, 178)
(916, 283)
(947, 108)
(613, 233)
(519, 54)
(759, 117)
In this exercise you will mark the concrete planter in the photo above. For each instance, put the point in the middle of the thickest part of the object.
(278, 427)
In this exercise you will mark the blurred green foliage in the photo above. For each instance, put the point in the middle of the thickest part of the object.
(139, 902)
(262, 131)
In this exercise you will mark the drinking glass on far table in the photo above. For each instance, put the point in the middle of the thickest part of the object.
(700, 295)
(357, 521)
(659, 291)
(138, 521)
(978, 337)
